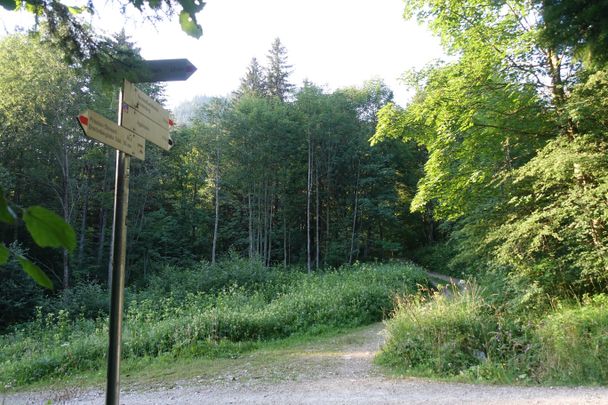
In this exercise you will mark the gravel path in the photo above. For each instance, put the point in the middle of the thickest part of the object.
(337, 371)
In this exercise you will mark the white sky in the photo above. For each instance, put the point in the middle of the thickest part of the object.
(333, 43)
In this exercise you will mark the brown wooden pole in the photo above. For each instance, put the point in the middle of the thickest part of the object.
(118, 259)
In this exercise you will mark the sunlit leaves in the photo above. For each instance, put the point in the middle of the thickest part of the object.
(48, 229)
(77, 10)
(79, 43)
(187, 15)
(189, 25)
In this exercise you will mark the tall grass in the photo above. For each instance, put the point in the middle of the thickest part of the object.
(438, 334)
(574, 343)
(219, 321)
(467, 338)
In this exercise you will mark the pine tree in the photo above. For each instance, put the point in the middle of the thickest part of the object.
(278, 71)
(253, 83)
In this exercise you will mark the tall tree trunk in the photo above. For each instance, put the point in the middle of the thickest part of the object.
(66, 212)
(317, 237)
(558, 92)
(250, 225)
(352, 237)
(327, 199)
(103, 218)
(264, 222)
(217, 204)
(83, 224)
(258, 244)
(269, 246)
(284, 237)
(103, 215)
(308, 192)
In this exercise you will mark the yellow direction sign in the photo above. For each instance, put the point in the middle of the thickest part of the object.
(146, 117)
(146, 105)
(134, 120)
(98, 127)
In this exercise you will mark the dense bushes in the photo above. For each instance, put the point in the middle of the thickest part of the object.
(439, 335)
(574, 343)
(467, 338)
(275, 305)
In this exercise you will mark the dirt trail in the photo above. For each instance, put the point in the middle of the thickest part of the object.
(334, 371)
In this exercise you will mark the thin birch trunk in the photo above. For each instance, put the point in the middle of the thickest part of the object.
(284, 238)
(83, 224)
(317, 238)
(264, 223)
(250, 225)
(66, 213)
(308, 192)
(352, 237)
(217, 201)
(258, 247)
(269, 246)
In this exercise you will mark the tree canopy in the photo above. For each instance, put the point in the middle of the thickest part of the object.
(515, 141)
(63, 26)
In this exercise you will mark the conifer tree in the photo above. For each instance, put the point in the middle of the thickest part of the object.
(254, 81)
(278, 71)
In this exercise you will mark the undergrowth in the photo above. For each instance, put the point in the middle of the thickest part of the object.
(468, 336)
(223, 320)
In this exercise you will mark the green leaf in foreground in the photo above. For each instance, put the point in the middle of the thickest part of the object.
(4, 253)
(48, 229)
(189, 25)
(9, 4)
(35, 273)
(6, 214)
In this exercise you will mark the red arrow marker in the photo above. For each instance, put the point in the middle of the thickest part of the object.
(84, 120)
(171, 123)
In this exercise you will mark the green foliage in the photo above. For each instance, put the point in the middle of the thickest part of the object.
(252, 148)
(48, 229)
(19, 293)
(4, 254)
(189, 25)
(440, 335)
(514, 127)
(88, 300)
(578, 24)
(574, 343)
(6, 214)
(64, 26)
(478, 335)
(35, 272)
(9, 4)
(207, 324)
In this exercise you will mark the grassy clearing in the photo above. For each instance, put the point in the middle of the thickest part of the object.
(218, 323)
(467, 338)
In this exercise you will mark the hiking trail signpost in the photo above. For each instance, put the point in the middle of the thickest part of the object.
(140, 118)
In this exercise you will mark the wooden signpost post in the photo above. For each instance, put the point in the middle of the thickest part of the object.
(140, 118)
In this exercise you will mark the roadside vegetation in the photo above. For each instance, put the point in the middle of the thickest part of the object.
(514, 127)
(205, 311)
(472, 335)
(496, 171)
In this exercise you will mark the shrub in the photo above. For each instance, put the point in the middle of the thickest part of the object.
(88, 300)
(575, 343)
(272, 305)
(475, 337)
(439, 335)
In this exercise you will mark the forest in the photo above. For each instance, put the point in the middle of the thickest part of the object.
(496, 172)
(271, 173)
